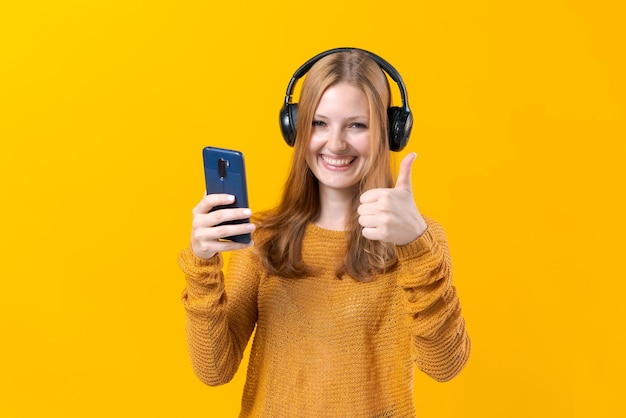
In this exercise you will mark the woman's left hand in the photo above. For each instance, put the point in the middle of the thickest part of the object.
(391, 215)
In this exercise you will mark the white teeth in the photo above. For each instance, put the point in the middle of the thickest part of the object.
(337, 162)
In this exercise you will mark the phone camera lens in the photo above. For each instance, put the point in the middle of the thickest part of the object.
(221, 167)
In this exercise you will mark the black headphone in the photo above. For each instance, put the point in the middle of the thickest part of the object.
(400, 118)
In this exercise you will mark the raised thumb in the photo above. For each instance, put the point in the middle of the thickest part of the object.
(404, 175)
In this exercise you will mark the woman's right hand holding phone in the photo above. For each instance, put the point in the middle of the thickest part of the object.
(206, 232)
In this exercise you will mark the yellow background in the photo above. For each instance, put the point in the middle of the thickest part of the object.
(104, 108)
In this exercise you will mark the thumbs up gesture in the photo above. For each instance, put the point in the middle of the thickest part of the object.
(391, 215)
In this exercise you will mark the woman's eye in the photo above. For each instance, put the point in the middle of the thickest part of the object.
(318, 123)
(359, 125)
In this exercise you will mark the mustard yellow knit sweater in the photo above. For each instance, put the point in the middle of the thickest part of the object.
(323, 346)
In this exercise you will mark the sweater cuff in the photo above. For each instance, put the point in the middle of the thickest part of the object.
(192, 265)
(204, 276)
(417, 248)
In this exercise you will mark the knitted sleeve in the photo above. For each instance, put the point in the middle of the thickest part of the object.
(220, 319)
(440, 342)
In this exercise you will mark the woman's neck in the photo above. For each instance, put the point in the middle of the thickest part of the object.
(335, 208)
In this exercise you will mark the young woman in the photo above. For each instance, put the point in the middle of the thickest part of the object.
(348, 285)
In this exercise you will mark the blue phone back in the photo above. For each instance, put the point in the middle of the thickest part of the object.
(233, 182)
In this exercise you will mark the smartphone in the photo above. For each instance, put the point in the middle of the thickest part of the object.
(224, 172)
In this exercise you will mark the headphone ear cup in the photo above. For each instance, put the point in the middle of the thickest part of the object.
(400, 124)
(288, 119)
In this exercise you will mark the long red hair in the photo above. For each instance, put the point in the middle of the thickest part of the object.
(283, 227)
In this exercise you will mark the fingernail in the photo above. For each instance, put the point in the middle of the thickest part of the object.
(247, 212)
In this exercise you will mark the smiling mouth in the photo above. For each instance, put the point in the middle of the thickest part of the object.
(338, 162)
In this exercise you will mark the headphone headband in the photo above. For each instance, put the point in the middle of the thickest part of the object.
(400, 118)
(382, 63)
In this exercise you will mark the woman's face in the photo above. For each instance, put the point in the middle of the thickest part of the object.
(340, 138)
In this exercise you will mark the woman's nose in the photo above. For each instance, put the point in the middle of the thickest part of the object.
(336, 141)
